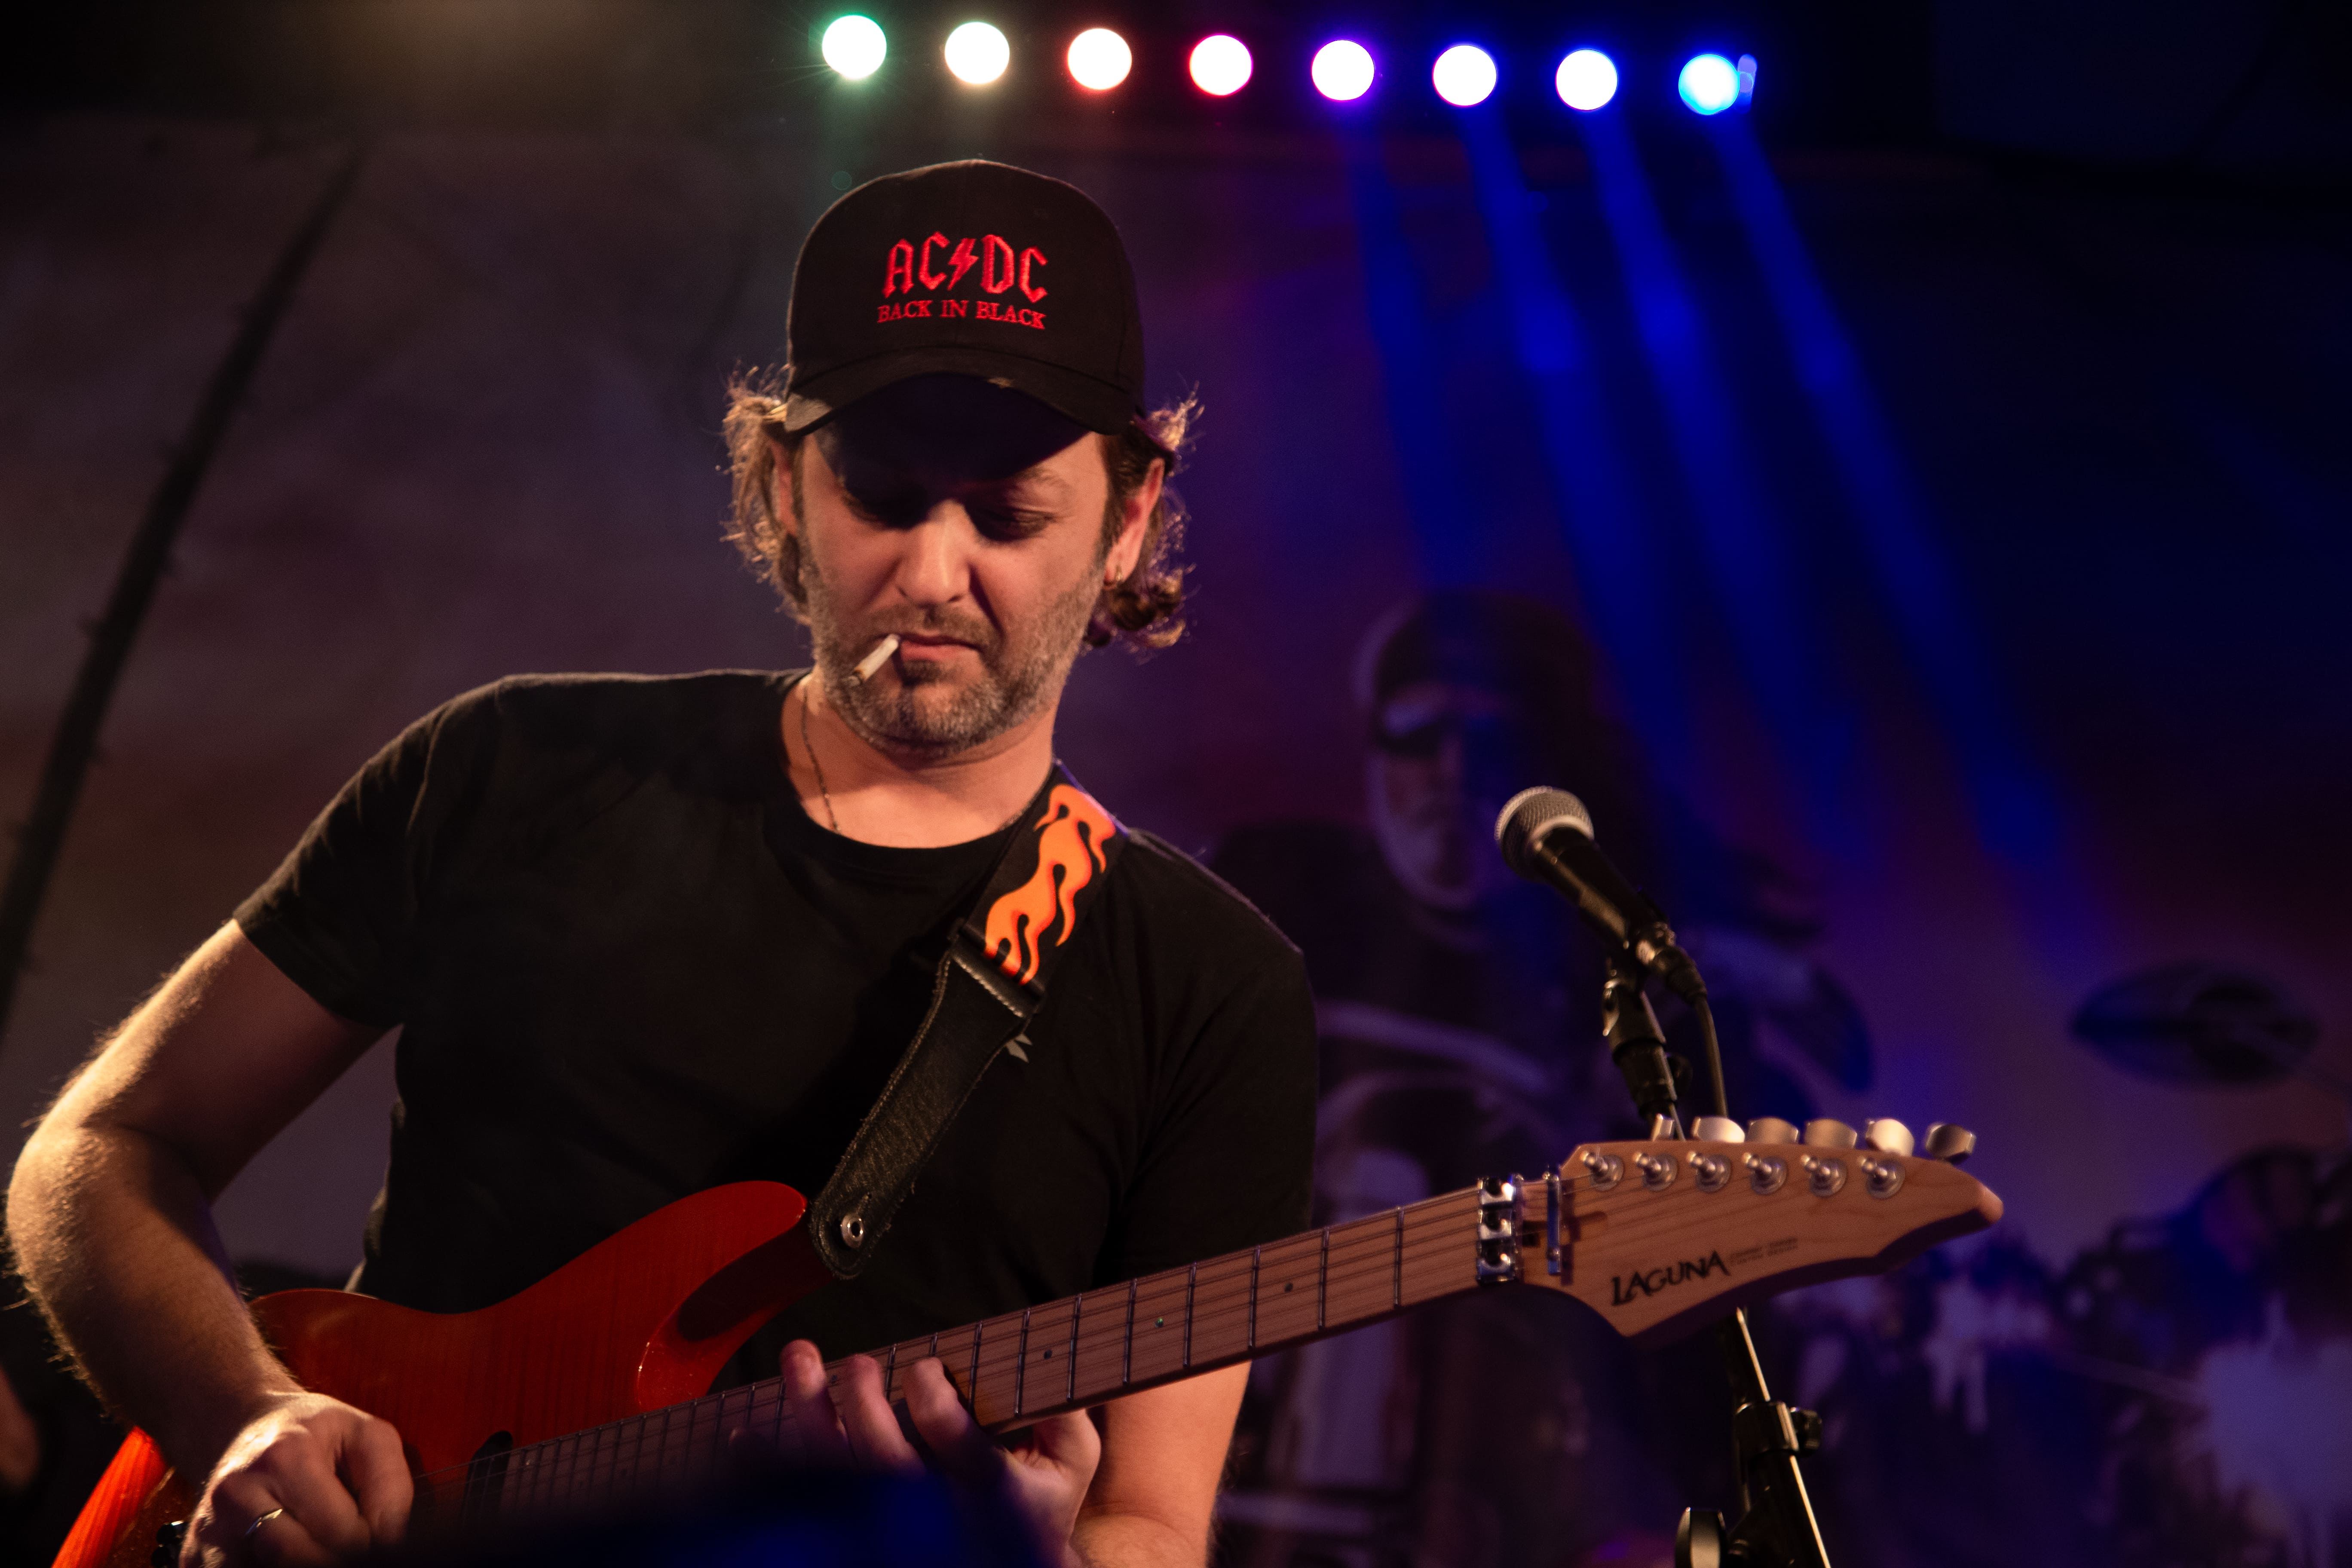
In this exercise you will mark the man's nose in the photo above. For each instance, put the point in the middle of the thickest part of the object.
(935, 568)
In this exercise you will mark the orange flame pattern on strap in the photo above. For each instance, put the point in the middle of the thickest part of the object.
(1070, 840)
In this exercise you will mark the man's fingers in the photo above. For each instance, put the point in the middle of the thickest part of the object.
(300, 1469)
(376, 1471)
(810, 1431)
(867, 1420)
(960, 1448)
(1070, 1440)
(281, 1542)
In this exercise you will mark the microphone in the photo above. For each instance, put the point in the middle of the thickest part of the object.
(1546, 835)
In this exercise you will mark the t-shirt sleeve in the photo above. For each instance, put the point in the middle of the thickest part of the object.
(1229, 1164)
(340, 916)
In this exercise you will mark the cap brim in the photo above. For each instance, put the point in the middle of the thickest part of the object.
(1096, 404)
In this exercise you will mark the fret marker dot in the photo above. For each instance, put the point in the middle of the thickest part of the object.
(1287, 1285)
(1049, 1355)
(1159, 1322)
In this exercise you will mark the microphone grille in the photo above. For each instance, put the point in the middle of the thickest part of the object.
(1528, 815)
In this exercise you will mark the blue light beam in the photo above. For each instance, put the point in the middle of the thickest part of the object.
(1739, 538)
(1607, 536)
(2015, 811)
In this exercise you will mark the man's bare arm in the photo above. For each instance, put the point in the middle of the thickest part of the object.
(110, 1212)
(1156, 1488)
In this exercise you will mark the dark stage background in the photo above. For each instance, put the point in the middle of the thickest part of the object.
(1947, 479)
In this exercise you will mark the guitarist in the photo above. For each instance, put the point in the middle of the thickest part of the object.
(642, 936)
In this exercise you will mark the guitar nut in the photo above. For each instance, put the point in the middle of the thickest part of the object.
(1711, 1172)
(1658, 1170)
(1766, 1173)
(1606, 1170)
(1826, 1177)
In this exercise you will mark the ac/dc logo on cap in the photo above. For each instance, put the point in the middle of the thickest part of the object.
(938, 265)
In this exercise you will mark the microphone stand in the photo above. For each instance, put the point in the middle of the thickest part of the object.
(1776, 1528)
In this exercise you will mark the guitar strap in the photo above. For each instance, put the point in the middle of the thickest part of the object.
(990, 983)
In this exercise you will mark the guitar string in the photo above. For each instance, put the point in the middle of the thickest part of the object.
(549, 1469)
(599, 1453)
(549, 1474)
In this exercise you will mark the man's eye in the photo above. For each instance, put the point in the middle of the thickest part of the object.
(1010, 522)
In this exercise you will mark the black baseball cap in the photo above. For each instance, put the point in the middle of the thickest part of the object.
(966, 269)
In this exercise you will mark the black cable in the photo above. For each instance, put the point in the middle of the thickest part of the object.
(1714, 1056)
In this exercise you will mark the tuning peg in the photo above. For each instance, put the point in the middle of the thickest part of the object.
(1718, 1130)
(1771, 1130)
(1951, 1144)
(1886, 1135)
(1828, 1134)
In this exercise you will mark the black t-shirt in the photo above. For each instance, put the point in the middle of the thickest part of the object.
(627, 966)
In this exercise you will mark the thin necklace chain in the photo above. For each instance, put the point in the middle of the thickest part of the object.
(807, 745)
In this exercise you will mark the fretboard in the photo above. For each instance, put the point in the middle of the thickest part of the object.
(1064, 1355)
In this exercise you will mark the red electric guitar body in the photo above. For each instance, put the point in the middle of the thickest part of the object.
(643, 1320)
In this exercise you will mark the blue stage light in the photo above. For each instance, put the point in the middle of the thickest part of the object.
(1343, 70)
(1463, 75)
(1586, 79)
(1709, 84)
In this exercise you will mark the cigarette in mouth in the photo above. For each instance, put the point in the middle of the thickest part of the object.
(873, 661)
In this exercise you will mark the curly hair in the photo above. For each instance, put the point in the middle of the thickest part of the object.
(1144, 609)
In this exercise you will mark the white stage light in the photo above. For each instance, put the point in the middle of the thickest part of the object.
(1100, 59)
(978, 53)
(1587, 79)
(1463, 75)
(855, 47)
(1221, 64)
(1343, 70)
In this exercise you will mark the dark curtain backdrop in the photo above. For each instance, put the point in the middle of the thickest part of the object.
(1973, 551)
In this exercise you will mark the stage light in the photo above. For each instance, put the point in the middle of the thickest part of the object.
(1221, 64)
(1746, 78)
(1463, 75)
(1586, 79)
(1709, 84)
(1100, 59)
(855, 47)
(978, 53)
(1342, 70)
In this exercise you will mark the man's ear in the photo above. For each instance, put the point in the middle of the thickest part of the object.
(1134, 521)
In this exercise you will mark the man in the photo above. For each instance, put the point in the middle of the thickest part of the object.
(645, 936)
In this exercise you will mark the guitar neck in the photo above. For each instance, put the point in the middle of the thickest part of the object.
(1083, 1350)
(1657, 1237)
(1064, 1355)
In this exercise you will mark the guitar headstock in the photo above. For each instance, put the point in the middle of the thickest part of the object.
(1662, 1236)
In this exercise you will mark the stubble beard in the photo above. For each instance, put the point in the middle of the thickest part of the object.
(914, 709)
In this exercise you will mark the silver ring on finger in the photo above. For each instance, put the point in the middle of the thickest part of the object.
(255, 1528)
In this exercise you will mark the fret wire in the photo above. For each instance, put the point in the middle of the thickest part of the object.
(888, 1372)
(1323, 1280)
(1020, 1362)
(973, 1397)
(1127, 1352)
(1192, 1283)
(1258, 1256)
(1077, 1304)
(1396, 1292)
